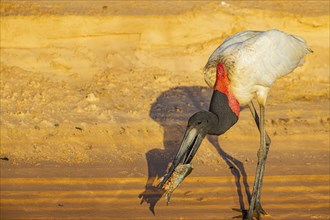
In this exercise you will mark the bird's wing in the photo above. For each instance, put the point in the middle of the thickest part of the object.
(257, 58)
(225, 51)
(271, 54)
(237, 38)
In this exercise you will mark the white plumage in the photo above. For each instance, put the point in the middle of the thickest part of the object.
(254, 60)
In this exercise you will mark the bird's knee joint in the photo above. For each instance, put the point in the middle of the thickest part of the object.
(268, 140)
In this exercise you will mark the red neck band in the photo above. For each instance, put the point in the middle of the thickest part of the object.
(222, 84)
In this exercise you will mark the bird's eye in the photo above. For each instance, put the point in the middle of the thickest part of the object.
(199, 122)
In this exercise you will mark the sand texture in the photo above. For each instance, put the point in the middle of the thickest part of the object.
(95, 97)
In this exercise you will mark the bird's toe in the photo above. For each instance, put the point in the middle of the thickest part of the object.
(257, 213)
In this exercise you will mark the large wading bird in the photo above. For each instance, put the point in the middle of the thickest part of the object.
(242, 68)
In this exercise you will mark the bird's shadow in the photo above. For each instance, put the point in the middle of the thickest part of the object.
(171, 110)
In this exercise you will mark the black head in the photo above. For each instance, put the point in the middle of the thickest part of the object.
(199, 125)
(216, 122)
(203, 121)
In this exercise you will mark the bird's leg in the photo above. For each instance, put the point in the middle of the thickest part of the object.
(257, 205)
(255, 208)
(256, 119)
(268, 142)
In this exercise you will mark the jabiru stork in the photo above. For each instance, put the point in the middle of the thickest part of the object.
(242, 68)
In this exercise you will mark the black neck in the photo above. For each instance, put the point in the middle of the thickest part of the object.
(226, 117)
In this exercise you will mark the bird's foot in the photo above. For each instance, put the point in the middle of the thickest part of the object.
(256, 214)
(245, 213)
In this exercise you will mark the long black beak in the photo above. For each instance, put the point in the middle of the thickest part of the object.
(189, 146)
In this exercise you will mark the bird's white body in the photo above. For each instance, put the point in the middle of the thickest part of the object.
(254, 60)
